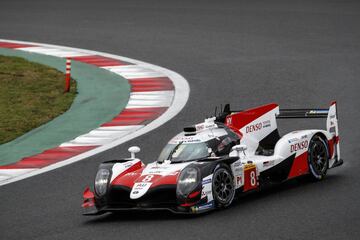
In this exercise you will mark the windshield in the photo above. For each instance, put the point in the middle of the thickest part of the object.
(184, 152)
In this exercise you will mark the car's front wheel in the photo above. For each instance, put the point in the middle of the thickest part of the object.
(223, 186)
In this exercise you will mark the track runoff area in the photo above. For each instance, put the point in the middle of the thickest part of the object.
(157, 95)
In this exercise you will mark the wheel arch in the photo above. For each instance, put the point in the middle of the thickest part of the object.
(211, 165)
(326, 140)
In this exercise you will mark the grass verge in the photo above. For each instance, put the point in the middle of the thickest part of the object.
(31, 94)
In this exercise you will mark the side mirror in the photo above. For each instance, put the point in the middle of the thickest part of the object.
(133, 150)
(211, 153)
(238, 149)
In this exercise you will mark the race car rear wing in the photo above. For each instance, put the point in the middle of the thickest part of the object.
(330, 114)
(293, 113)
(303, 113)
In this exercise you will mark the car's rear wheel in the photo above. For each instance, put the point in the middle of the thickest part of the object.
(318, 157)
(223, 186)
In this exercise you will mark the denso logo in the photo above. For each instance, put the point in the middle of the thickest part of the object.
(254, 127)
(298, 146)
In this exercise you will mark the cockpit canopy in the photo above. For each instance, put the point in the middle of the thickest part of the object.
(216, 140)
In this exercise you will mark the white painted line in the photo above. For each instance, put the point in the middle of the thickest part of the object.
(134, 71)
(121, 128)
(153, 94)
(53, 52)
(11, 173)
(86, 139)
(107, 133)
(142, 103)
(5, 177)
(142, 75)
(128, 69)
(73, 144)
(143, 99)
(179, 100)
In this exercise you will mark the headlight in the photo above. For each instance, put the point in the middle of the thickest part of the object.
(188, 180)
(101, 181)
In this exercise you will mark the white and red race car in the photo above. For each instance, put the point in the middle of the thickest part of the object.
(208, 164)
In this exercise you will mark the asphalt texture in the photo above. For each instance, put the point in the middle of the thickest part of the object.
(247, 53)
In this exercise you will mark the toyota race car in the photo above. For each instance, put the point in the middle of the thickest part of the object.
(208, 164)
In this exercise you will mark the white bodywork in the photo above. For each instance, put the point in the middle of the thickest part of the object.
(250, 164)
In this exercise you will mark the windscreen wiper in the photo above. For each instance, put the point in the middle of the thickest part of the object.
(174, 150)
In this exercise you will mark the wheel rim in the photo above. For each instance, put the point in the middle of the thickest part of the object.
(318, 156)
(223, 186)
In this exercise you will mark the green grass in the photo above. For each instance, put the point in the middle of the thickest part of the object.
(31, 94)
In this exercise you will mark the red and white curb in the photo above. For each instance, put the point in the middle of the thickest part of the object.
(157, 95)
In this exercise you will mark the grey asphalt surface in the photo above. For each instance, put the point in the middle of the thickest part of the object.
(296, 53)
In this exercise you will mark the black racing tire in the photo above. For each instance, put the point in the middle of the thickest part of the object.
(223, 187)
(318, 158)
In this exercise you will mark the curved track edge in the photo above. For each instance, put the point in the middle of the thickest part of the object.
(141, 101)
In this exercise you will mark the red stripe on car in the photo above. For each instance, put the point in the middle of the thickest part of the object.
(241, 119)
(300, 165)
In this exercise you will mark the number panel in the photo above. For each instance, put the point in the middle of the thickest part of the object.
(250, 177)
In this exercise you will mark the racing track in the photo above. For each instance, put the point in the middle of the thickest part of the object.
(299, 54)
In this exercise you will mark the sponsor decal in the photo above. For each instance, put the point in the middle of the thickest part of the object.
(238, 180)
(158, 172)
(209, 123)
(206, 181)
(237, 164)
(202, 207)
(205, 193)
(191, 140)
(293, 140)
(254, 127)
(266, 123)
(299, 146)
(132, 174)
(228, 121)
(140, 185)
(268, 163)
(249, 166)
(159, 167)
(185, 139)
(206, 206)
(199, 127)
(304, 136)
(207, 188)
(238, 173)
(317, 111)
(238, 169)
(127, 165)
(140, 189)
(332, 130)
(332, 116)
